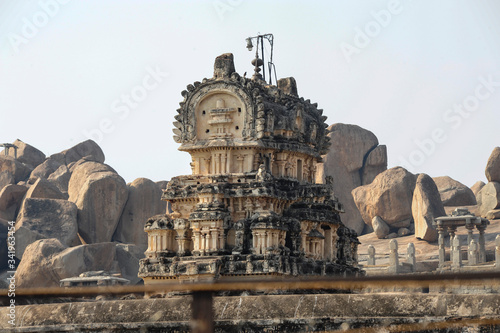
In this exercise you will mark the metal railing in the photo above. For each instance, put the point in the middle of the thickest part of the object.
(202, 304)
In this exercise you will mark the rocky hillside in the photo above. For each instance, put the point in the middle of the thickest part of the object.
(72, 214)
(396, 203)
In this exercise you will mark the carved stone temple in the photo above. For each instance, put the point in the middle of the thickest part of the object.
(251, 207)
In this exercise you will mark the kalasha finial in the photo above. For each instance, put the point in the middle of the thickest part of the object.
(257, 62)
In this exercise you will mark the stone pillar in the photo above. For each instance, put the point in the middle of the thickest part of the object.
(482, 246)
(328, 245)
(470, 228)
(153, 242)
(497, 252)
(229, 160)
(254, 242)
(219, 163)
(410, 256)
(371, 255)
(441, 249)
(202, 243)
(304, 242)
(451, 231)
(224, 163)
(457, 253)
(222, 240)
(164, 241)
(196, 240)
(214, 234)
(473, 253)
(393, 257)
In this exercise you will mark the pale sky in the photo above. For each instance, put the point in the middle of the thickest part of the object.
(423, 76)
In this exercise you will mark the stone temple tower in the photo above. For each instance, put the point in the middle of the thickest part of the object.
(250, 208)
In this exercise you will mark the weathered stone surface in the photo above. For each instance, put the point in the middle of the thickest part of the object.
(489, 198)
(46, 218)
(403, 232)
(11, 197)
(351, 147)
(60, 178)
(44, 170)
(73, 165)
(84, 258)
(83, 149)
(402, 224)
(493, 214)
(6, 178)
(35, 269)
(269, 313)
(492, 170)
(426, 206)
(18, 170)
(80, 173)
(224, 66)
(275, 188)
(44, 189)
(47, 261)
(27, 154)
(380, 228)
(388, 196)
(162, 184)
(454, 193)
(477, 187)
(100, 203)
(128, 256)
(288, 85)
(144, 201)
(4, 229)
(376, 162)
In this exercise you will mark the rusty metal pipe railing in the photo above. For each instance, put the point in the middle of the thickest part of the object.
(312, 283)
(203, 320)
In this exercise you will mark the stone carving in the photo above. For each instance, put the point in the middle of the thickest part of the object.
(250, 205)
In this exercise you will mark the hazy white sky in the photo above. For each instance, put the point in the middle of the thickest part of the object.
(423, 76)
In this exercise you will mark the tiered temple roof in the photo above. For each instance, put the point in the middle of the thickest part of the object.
(250, 206)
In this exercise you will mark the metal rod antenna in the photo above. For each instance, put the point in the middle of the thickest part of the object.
(270, 65)
(262, 51)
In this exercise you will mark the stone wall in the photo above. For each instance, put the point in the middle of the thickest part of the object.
(272, 313)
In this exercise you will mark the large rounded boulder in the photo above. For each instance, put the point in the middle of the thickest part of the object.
(100, 195)
(454, 193)
(492, 170)
(144, 201)
(353, 159)
(46, 218)
(389, 196)
(426, 206)
(489, 198)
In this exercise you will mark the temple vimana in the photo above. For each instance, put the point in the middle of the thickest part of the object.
(251, 207)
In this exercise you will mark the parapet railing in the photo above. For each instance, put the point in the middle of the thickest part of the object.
(475, 257)
(202, 303)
